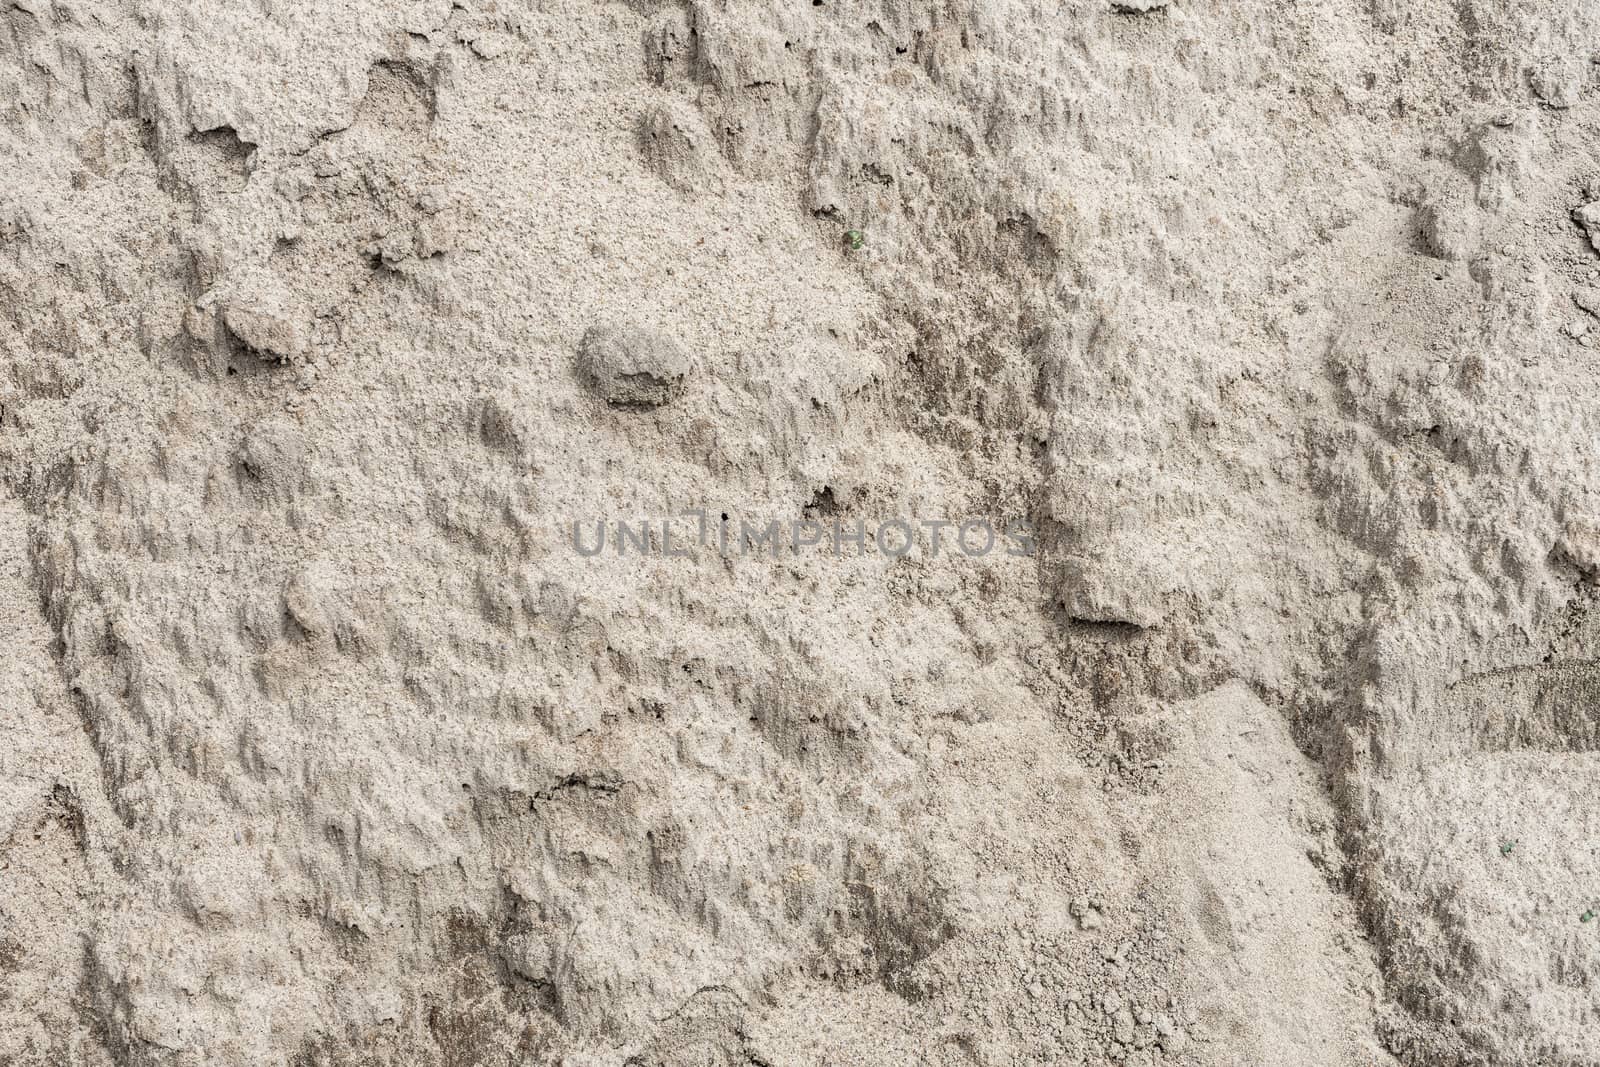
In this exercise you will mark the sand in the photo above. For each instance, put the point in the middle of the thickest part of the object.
(731, 532)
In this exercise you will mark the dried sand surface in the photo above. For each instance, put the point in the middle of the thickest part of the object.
(456, 461)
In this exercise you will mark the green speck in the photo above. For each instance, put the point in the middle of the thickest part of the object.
(856, 238)
(1586, 916)
(1505, 849)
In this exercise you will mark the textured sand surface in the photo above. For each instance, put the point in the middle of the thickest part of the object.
(1266, 333)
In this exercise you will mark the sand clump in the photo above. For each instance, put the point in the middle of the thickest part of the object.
(629, 365)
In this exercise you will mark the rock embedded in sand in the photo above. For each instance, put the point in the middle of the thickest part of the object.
(633, 366)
